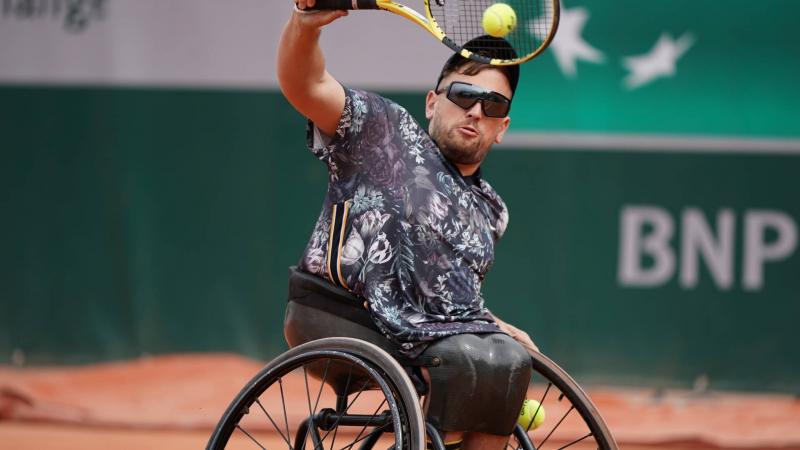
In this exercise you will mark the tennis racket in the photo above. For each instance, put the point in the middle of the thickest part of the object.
(456, 22)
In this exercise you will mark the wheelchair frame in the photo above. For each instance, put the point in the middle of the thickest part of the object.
(403, 416)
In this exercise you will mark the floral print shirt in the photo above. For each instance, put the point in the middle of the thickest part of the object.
(401, 227)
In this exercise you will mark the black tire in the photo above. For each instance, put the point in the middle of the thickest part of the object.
(344, 368)
(561, 397)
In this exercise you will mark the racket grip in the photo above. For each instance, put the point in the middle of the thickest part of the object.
(344, 4)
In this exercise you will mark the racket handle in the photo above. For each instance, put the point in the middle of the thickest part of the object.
(344, 4)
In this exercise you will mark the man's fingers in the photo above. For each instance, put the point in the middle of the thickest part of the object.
(518, 335)
(304, 7)
(526, 341)
(319, 18)
(303, 4)
(330, 16)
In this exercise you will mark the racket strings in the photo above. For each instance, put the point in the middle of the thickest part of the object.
(462, 21)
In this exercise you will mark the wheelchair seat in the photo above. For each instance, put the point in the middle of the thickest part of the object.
(318, 309)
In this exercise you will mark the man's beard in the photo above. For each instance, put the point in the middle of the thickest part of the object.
(457, 149)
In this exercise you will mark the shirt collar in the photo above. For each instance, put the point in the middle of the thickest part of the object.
(469, 180)
(474, 179)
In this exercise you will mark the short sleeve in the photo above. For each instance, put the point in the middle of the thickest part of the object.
(364, 117)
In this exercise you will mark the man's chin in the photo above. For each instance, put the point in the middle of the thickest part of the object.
(461, 157)
(460, 150)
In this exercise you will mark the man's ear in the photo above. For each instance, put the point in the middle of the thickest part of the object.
(499, 138)
(430, 104)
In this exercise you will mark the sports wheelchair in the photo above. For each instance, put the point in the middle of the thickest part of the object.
(345, 393)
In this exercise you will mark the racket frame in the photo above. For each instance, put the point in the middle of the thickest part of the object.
(428, 22)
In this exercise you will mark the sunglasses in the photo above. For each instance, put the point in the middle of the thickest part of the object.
(466, 95)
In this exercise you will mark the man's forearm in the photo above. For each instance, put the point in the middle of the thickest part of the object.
(301, 63)
(518, 335)
(301, 70)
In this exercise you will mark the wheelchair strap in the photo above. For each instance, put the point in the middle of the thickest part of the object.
(420, 361)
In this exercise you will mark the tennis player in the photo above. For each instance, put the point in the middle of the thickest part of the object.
(409, 225)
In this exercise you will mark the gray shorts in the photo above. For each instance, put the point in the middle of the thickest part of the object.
(478, 385)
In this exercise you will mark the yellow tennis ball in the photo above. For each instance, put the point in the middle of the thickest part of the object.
(526, 417)
(499, 20)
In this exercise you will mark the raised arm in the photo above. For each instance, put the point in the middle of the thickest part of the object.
(301, 69)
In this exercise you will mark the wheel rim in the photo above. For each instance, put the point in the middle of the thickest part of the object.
(571, 420)
(300, 393)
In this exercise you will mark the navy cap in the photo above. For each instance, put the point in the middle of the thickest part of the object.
(490, 47)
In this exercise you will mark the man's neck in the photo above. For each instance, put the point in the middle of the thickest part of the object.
(467, 170)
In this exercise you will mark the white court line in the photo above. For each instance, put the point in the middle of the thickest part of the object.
(646, 143)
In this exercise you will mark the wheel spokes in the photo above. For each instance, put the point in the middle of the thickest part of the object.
(315, 425)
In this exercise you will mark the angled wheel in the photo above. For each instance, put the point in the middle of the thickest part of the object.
(571, 419)
(333, 393)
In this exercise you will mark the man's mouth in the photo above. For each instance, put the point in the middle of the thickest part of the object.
(468, 131)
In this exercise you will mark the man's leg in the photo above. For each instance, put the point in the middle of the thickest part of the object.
(452, 441)
(483, 441)
(478, 386)
(475, 441)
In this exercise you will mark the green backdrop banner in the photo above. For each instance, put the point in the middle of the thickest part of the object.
(147, 221)
(686, 67)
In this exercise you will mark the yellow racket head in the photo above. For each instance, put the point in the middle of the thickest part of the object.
(533, 26)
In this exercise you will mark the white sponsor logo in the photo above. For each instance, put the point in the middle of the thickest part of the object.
(74, 15)
(646, 232)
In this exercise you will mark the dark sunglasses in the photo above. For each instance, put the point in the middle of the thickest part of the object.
(466, 95)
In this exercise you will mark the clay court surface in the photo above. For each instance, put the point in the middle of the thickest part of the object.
(26, 436)
(172, 402)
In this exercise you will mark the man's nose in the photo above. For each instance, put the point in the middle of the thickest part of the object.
(476, 111)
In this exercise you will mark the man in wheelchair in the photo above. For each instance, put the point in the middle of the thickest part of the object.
(407, 232)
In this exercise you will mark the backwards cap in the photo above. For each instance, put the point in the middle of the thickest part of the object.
(491, 47)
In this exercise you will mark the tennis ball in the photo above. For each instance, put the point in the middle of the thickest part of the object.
(499, 20)
(526, 418)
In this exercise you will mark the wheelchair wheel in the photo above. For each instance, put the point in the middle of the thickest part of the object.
(332, 393)
(571, 419)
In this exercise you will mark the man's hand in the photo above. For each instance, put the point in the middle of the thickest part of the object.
(517, 334)
(315, 19)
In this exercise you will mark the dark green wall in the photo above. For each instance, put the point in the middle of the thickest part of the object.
(150, 221)
(556, 270)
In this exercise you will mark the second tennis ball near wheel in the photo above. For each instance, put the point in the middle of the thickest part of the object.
(531, 416)
(499, 20)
